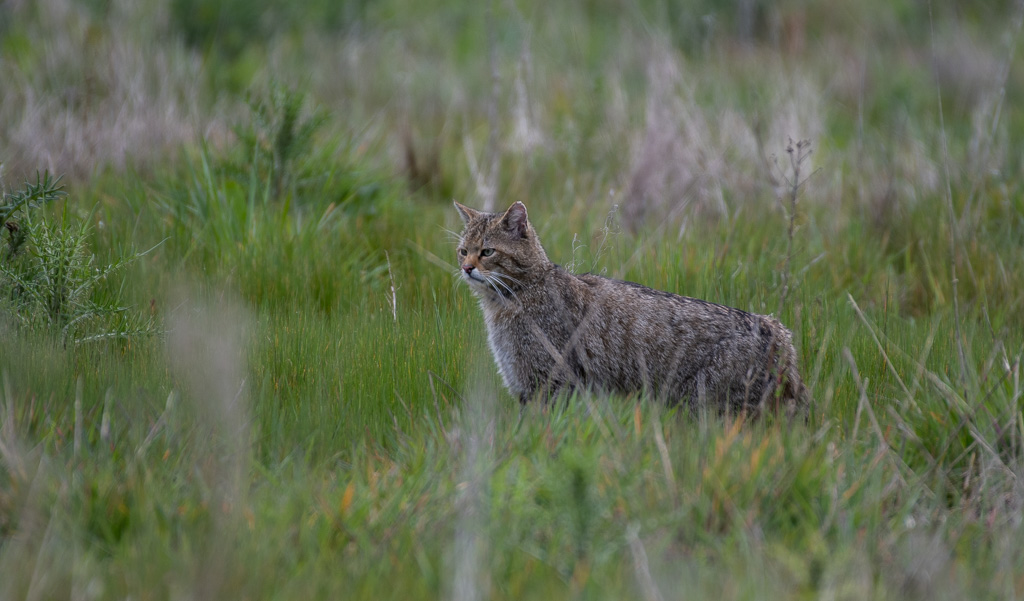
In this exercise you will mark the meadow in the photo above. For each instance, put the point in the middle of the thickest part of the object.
(236, 363)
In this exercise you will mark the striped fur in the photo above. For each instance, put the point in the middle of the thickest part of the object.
(549, 330)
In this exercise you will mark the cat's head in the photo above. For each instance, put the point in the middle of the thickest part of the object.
(498, 253)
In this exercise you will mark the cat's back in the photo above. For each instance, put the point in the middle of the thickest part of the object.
(686, 347)
(625, 296)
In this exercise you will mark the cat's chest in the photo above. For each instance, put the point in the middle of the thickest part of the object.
(507, 327)
(540, 314)
(512, 337)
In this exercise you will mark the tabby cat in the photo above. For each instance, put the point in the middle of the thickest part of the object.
(551, 330)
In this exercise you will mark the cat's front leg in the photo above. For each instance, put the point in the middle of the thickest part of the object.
(546, 393)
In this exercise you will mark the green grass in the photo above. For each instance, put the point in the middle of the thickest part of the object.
(320, 417)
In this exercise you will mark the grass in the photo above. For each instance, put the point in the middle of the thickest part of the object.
(319, 415)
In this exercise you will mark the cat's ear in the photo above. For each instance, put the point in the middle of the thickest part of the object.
(514, 219)
(467, 213)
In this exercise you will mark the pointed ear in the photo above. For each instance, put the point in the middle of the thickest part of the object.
(467, 213)
(514, 219)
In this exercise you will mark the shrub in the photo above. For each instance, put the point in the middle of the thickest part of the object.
(277, 141)
(15, 205)
(50, 280)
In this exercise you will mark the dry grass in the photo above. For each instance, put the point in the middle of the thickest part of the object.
(81, 96)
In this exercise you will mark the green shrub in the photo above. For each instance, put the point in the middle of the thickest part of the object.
(281, 213)
(277, 141)
(15, 206)
(49, 280)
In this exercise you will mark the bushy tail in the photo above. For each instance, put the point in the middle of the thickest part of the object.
(791, 396)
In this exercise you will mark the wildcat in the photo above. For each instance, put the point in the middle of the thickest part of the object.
(549, 330)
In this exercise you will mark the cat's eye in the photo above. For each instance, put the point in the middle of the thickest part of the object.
(463, 252)
(487, 252)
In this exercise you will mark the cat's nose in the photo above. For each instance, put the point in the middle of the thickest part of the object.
(467, 268)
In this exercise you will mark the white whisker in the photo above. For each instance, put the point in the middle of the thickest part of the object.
(493, 280)
(452, 235)
(497, 278)
(456, 278)
(502, 277)
(490, 282)
(505, 276)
